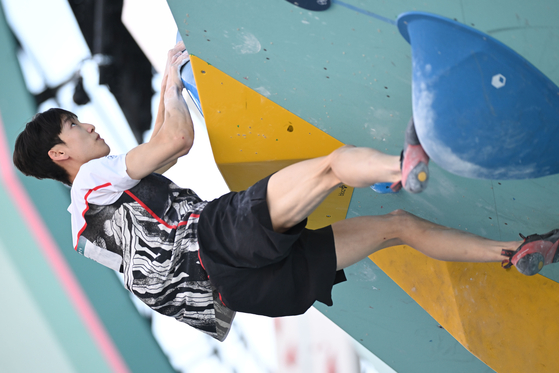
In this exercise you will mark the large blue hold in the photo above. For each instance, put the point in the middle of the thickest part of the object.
(480, 109)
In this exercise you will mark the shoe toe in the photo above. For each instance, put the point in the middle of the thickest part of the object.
(417, 179)
(530, 264)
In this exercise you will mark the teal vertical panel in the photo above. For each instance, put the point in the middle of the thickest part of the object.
(130, 332)
(22, 321)
(16, 106)
(52, 302)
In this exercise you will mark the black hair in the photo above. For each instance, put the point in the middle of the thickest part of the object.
(33, 144)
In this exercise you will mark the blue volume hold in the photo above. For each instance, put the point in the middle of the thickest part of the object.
(480, 109)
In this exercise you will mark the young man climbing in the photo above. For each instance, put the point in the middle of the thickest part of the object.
(249, 251)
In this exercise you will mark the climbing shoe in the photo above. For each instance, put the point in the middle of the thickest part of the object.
(537, 251)
(413, 163)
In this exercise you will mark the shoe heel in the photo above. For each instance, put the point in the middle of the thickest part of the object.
(417, 178)
(530, 264)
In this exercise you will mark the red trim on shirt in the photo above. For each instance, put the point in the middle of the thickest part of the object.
(220, 299)
(202, 264)
(161, 221)
(195, 216)
(200, 259)
(86, 209)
